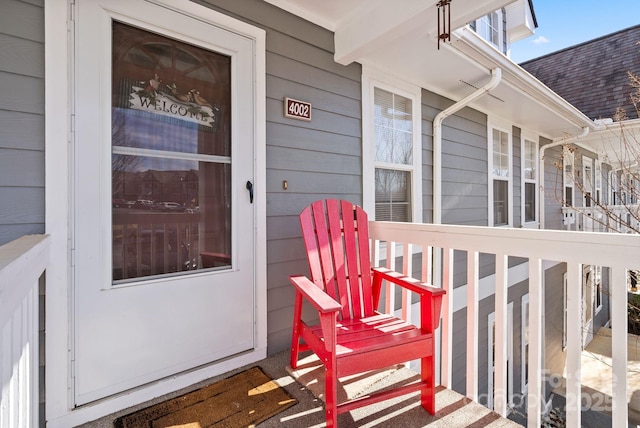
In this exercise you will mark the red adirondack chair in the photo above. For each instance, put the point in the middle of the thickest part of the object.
(352, 336)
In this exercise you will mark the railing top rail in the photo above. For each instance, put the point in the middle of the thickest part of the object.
(22, 262)
(598, 248)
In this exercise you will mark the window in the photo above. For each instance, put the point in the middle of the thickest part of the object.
(491, 28)
(587, 181)
(529, 181)
(500, 204)
(568, 174)
(598, 288)
(598, 182)
(391, 150)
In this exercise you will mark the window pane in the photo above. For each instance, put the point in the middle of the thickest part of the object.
(529, 202)
(393, 128)
(169, 215)
(171, 156)
(500, 202)
(393, 191)
(530, 156)
(500, 153)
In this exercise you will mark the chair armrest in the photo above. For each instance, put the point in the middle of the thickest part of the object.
(317, 297)
(407, 282)
(430, 296)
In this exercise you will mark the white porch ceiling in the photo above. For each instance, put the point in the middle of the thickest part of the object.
(400, 38)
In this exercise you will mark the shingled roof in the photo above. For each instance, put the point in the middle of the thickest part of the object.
(593, 75)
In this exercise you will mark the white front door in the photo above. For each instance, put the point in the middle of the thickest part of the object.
(163, 236)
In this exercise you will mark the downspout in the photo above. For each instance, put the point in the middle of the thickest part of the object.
(496, 76)
(558, 142)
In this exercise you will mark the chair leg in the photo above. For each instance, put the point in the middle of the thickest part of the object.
(331, 395)
(428, 393)
(295, 333)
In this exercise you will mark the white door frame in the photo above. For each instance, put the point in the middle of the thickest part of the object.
(59, 57)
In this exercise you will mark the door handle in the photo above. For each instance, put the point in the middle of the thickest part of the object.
(250, 189)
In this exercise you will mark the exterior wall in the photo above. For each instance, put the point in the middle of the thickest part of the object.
(318, 159)
(553, 186)
(21, 118)
(464, 161)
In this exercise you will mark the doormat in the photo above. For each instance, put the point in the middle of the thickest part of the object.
(242, 400)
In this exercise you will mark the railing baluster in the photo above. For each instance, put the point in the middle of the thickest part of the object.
(447, 317)
(427, 257)
(391, 288)
(407, 266)
(472, 324)
(619, 350)
(574, 343)
(500, 338)
(536, 311)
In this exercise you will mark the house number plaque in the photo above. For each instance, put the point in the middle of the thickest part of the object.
(295, 109)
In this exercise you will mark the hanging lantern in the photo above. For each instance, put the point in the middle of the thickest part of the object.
(444, 21)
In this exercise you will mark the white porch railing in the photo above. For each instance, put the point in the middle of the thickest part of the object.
(619, 252)
(22, 263)
(611, 218)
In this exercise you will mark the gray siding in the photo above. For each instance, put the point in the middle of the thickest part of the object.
(21, 119)
(553, 186)
(318, 159)
(464, 162)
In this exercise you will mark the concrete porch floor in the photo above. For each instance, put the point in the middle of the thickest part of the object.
(453, 409)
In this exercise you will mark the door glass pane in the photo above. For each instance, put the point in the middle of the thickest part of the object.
(171, 156)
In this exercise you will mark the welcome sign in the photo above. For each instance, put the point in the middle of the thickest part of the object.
(189, 106)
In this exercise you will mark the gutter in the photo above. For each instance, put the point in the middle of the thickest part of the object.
(555, 143)
(496, 76)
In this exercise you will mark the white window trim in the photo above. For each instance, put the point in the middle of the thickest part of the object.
(524, 343)
(528, 136)
(586, 162)
(566, 154)
(372, 79)
(480, 23)
(500, 125)
(597, 291)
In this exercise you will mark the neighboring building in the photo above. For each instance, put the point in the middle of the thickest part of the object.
(593, 75)
(411, 132)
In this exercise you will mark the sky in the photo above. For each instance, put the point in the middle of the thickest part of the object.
(564, 23)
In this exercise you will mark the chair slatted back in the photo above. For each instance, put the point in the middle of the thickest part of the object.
(336, 237)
